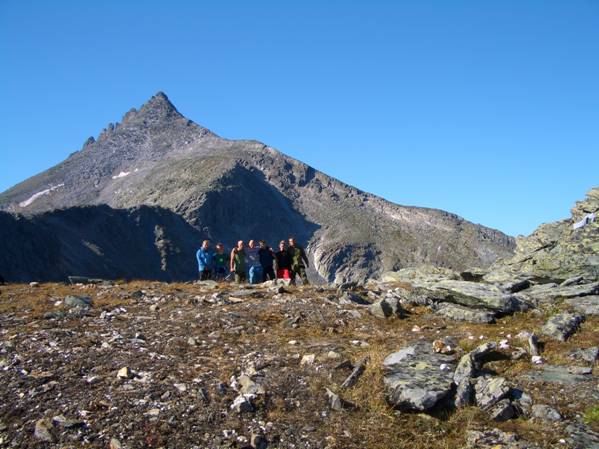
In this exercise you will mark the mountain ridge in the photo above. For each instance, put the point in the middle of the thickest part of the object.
(157, 157)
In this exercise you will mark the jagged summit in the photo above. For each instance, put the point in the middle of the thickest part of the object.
(231, 189)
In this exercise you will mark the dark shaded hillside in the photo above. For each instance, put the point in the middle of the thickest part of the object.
(98, 241)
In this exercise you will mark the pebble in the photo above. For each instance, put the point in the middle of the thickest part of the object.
(308, 359)
(43, 431)
(125, 373)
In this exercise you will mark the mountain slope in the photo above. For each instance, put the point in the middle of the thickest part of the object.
(232, 189)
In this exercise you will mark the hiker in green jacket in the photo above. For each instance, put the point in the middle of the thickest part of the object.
(238, 263)
(299, 261)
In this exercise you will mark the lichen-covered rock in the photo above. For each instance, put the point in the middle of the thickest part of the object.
(557, 251)
(543, 412)
(562, 326)
(588, 354)
(549, 293)
(475, 295)
(386, 308)
(587, 305)
(472, 361)
(502, 411)
(461, 313)
(495, 439)
(414, 380)
(490, 390)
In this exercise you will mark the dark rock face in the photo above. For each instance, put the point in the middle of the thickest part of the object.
(144, 243)
(229, 190)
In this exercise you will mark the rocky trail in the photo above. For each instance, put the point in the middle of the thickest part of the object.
(420, 359)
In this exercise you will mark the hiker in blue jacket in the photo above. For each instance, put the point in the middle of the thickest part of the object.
(204, 257)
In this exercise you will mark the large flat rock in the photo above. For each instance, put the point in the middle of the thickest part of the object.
(587, 305)
(417, 378)
(474, 294)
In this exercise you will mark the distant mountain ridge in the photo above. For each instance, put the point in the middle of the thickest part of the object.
(240, 189)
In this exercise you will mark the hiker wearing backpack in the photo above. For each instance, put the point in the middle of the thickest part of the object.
(252, 254)
(237, 262)
(299, 261)
(220, 262)
(204, 257)
(267, 258)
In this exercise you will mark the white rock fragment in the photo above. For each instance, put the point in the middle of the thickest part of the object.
(537, 360)
(308, 359)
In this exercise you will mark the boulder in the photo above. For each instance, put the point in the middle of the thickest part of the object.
(562, 325)
(472, 361)
(587, 305)
(387, 308)
(490, 390)
(549, 293)
(502, 411)
(588, 355)
(414, 380)
(78, 301)
(460, 313)
(475, 295)
(543, 412)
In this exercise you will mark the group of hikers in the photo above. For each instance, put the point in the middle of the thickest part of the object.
(253, 264)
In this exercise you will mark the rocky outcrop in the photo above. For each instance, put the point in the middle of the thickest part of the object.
(558, 251)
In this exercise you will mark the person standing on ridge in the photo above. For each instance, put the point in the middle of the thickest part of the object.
(204, 257)
(220, 262)
(267, 258)
(237, 262)
(283, 260)
(252, 254)
(299, 261)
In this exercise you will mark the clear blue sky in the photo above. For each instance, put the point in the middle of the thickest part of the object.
(489, 109)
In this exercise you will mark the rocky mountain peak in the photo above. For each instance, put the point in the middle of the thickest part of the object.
(157, 109)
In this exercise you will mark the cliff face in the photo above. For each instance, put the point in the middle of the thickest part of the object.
(228, 190)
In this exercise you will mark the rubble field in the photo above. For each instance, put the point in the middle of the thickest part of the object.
(207, 365)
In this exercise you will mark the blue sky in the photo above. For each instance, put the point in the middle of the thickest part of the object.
(489, 109)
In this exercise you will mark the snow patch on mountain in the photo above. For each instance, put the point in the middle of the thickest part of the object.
(121, 174)
(35, 196)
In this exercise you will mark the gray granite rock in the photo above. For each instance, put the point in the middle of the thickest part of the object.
(461, 313)
(543, 412)
(414, 380)
(580, 436)
(501, 411)
(490, 390)
(561, 326)
(472, 361)
(464, 394)
(387, 308)
(588, 355)
(475, 295)
(78, 301)
(495, 439)
(557, 374)
(587, 305)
